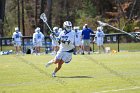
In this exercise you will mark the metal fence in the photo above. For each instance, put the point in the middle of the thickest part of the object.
(120, 42)
(117, 42)
(6, 43)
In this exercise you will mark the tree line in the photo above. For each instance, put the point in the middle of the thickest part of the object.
(123, 14)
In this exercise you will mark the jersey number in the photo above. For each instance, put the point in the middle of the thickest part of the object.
(38, 36)
(17, 35)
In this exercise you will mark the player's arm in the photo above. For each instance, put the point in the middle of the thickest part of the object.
(13, 38)
(103, 33)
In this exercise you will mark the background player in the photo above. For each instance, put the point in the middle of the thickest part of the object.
(78, 40)
(17, 39)
(99, 38)
(38, 37)
(55, 44)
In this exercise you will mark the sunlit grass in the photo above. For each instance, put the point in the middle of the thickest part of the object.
(85, 74)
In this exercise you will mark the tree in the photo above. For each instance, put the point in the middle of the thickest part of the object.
(2, 14)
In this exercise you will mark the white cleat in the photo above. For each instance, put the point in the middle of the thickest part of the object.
(48, 64)
(53, 75)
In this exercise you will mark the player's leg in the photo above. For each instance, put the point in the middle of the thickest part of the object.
(99, 49)
(57, 48)
(88, 46)
(50, 62)
(103, 48)
(38, 52)
(59, 65)
(83, 46)
(36, 49)
(65, 57)
(16, 49)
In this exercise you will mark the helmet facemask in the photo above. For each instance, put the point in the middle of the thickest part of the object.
(68, 28)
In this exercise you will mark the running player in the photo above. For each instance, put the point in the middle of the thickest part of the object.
(64, 54)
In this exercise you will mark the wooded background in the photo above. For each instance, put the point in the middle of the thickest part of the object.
(124, 14)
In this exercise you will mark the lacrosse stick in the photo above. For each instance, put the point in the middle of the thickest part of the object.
(44, 19)
(106, 24)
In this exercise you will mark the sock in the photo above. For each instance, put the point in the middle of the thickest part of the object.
(49, 63)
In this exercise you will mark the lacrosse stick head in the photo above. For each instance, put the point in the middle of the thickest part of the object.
(101, 23)
(43, 17)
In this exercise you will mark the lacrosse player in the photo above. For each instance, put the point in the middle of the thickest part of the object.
(64, 54)
(55, 44)
(17, 39)
(38, 37)
(78, 40)
(99, 38)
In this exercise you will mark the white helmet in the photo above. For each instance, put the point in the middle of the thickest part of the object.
(37, 29)
(55, 28)
(100, 28)
(67, 25)
(16, 29)
(60, 29)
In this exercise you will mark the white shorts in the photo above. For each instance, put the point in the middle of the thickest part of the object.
(65, 56)
(78, 43)
(38, 44)
(55, 43)
(99, 42)
(17, 43)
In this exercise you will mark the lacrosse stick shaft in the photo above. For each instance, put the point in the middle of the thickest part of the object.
(48, 27)
(123, 31)
(106, 24)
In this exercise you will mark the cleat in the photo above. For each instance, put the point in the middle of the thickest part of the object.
(49, 63)
(83, 53)
(53, 75)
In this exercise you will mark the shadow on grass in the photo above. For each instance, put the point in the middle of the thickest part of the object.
(75, 77)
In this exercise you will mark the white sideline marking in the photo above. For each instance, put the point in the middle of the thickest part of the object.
(131, 88)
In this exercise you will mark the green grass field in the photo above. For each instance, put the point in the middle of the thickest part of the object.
(96, 73)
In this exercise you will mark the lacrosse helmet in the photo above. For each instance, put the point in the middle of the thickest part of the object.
(37, 29)
(100, 28)
(60, 29)
(67, 25)
(76, 28)
(16, 29)
(55, 29)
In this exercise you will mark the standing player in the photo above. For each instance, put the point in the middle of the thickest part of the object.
(38, 37)
(55, 44)
(100, 38)
(64, 54)
(16, 39)
(78, 40)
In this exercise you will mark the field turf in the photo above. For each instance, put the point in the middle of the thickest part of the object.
(95, 73)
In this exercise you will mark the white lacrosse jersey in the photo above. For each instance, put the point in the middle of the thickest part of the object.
(54, 39)
(66, 36)
(78, 36)
(38, 37)
(17, 36)
(99, 37)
